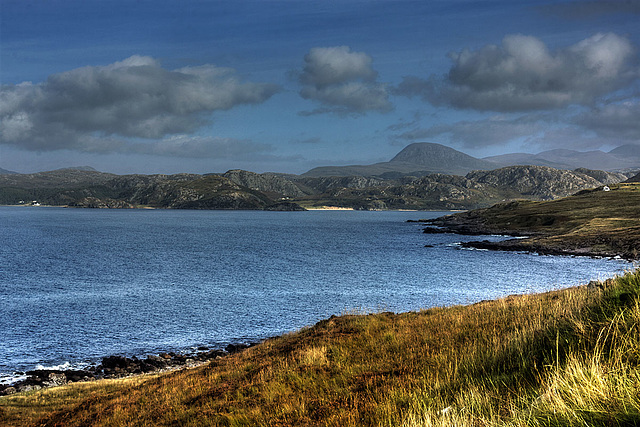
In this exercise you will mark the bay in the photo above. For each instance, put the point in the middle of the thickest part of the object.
(77, 285)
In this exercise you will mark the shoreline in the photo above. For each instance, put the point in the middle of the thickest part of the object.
(591, 223)
(533, 243)
(118, 366)
(121, 367)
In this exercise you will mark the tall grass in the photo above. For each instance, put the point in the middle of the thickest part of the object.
(562, 358)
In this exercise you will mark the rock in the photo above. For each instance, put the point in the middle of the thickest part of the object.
(595, 284)
(78, 375)
(54, 379)
(268, 183)
(236, 348)
(28, 387)
(115, 362)
(213, 354)
(285, 206)
(7, 390)
(115, 367)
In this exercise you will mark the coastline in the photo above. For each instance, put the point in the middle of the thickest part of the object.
(375, 358)
(535, 244)
(593, 223)
(117, 367)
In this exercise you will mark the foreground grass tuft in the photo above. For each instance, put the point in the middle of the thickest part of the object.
(562, 358)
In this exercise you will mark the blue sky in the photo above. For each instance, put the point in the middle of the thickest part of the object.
(207, 86)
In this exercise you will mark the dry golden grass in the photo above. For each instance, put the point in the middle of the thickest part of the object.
(568, 357)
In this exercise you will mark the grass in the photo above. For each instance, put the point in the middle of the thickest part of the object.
(563, 358)
(594, 222)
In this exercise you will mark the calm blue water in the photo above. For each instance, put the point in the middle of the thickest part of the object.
(76, 285)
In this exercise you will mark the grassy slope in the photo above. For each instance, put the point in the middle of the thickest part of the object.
(568, 357)
(591, 222)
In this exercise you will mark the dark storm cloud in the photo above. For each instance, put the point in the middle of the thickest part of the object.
(91, 108)
(620, 121)
(522, 74)
(342, 81)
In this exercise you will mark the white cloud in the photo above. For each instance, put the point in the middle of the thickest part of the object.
(342, 81)
(522, 74)
(135, 98)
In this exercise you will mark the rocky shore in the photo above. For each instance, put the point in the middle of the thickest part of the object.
(536, 243)
(593, 223)
(118, 367)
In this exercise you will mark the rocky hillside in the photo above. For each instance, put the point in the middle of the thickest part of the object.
(544, 183)
(97, 190)
(439, 191)
(239, 189)
(635, 178)
(266, 182)
(591, 222)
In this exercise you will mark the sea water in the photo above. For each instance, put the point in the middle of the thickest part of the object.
(80, 284)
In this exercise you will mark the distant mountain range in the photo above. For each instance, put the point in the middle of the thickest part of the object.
(237, 189)
(416, 159)
(421, 176)
(423, 158)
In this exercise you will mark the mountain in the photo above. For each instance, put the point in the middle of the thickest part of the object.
(635, 178)
(61, 178)
(79, 168)
(522, 159)
(416, 159)
(538, 182)
(6, 172)
(623, 157)
(79, 188)
(439, 158)
(440, 191)
(425, 158)
(266, 182)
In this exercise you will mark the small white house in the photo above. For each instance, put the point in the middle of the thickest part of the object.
(606, 188)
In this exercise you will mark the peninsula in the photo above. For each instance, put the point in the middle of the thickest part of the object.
(604, 221)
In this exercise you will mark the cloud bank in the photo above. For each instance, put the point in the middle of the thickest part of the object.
(342, 81)
(522, 74)
(620, 121)
(94, 108)
(495, 130)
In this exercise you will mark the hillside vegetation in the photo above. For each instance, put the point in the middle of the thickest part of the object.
(592, 222)
(568, 357)
(448, 192)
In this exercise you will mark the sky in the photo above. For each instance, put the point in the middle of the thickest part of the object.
(196, 86)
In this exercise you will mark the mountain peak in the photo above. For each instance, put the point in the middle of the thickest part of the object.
(438, 157)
